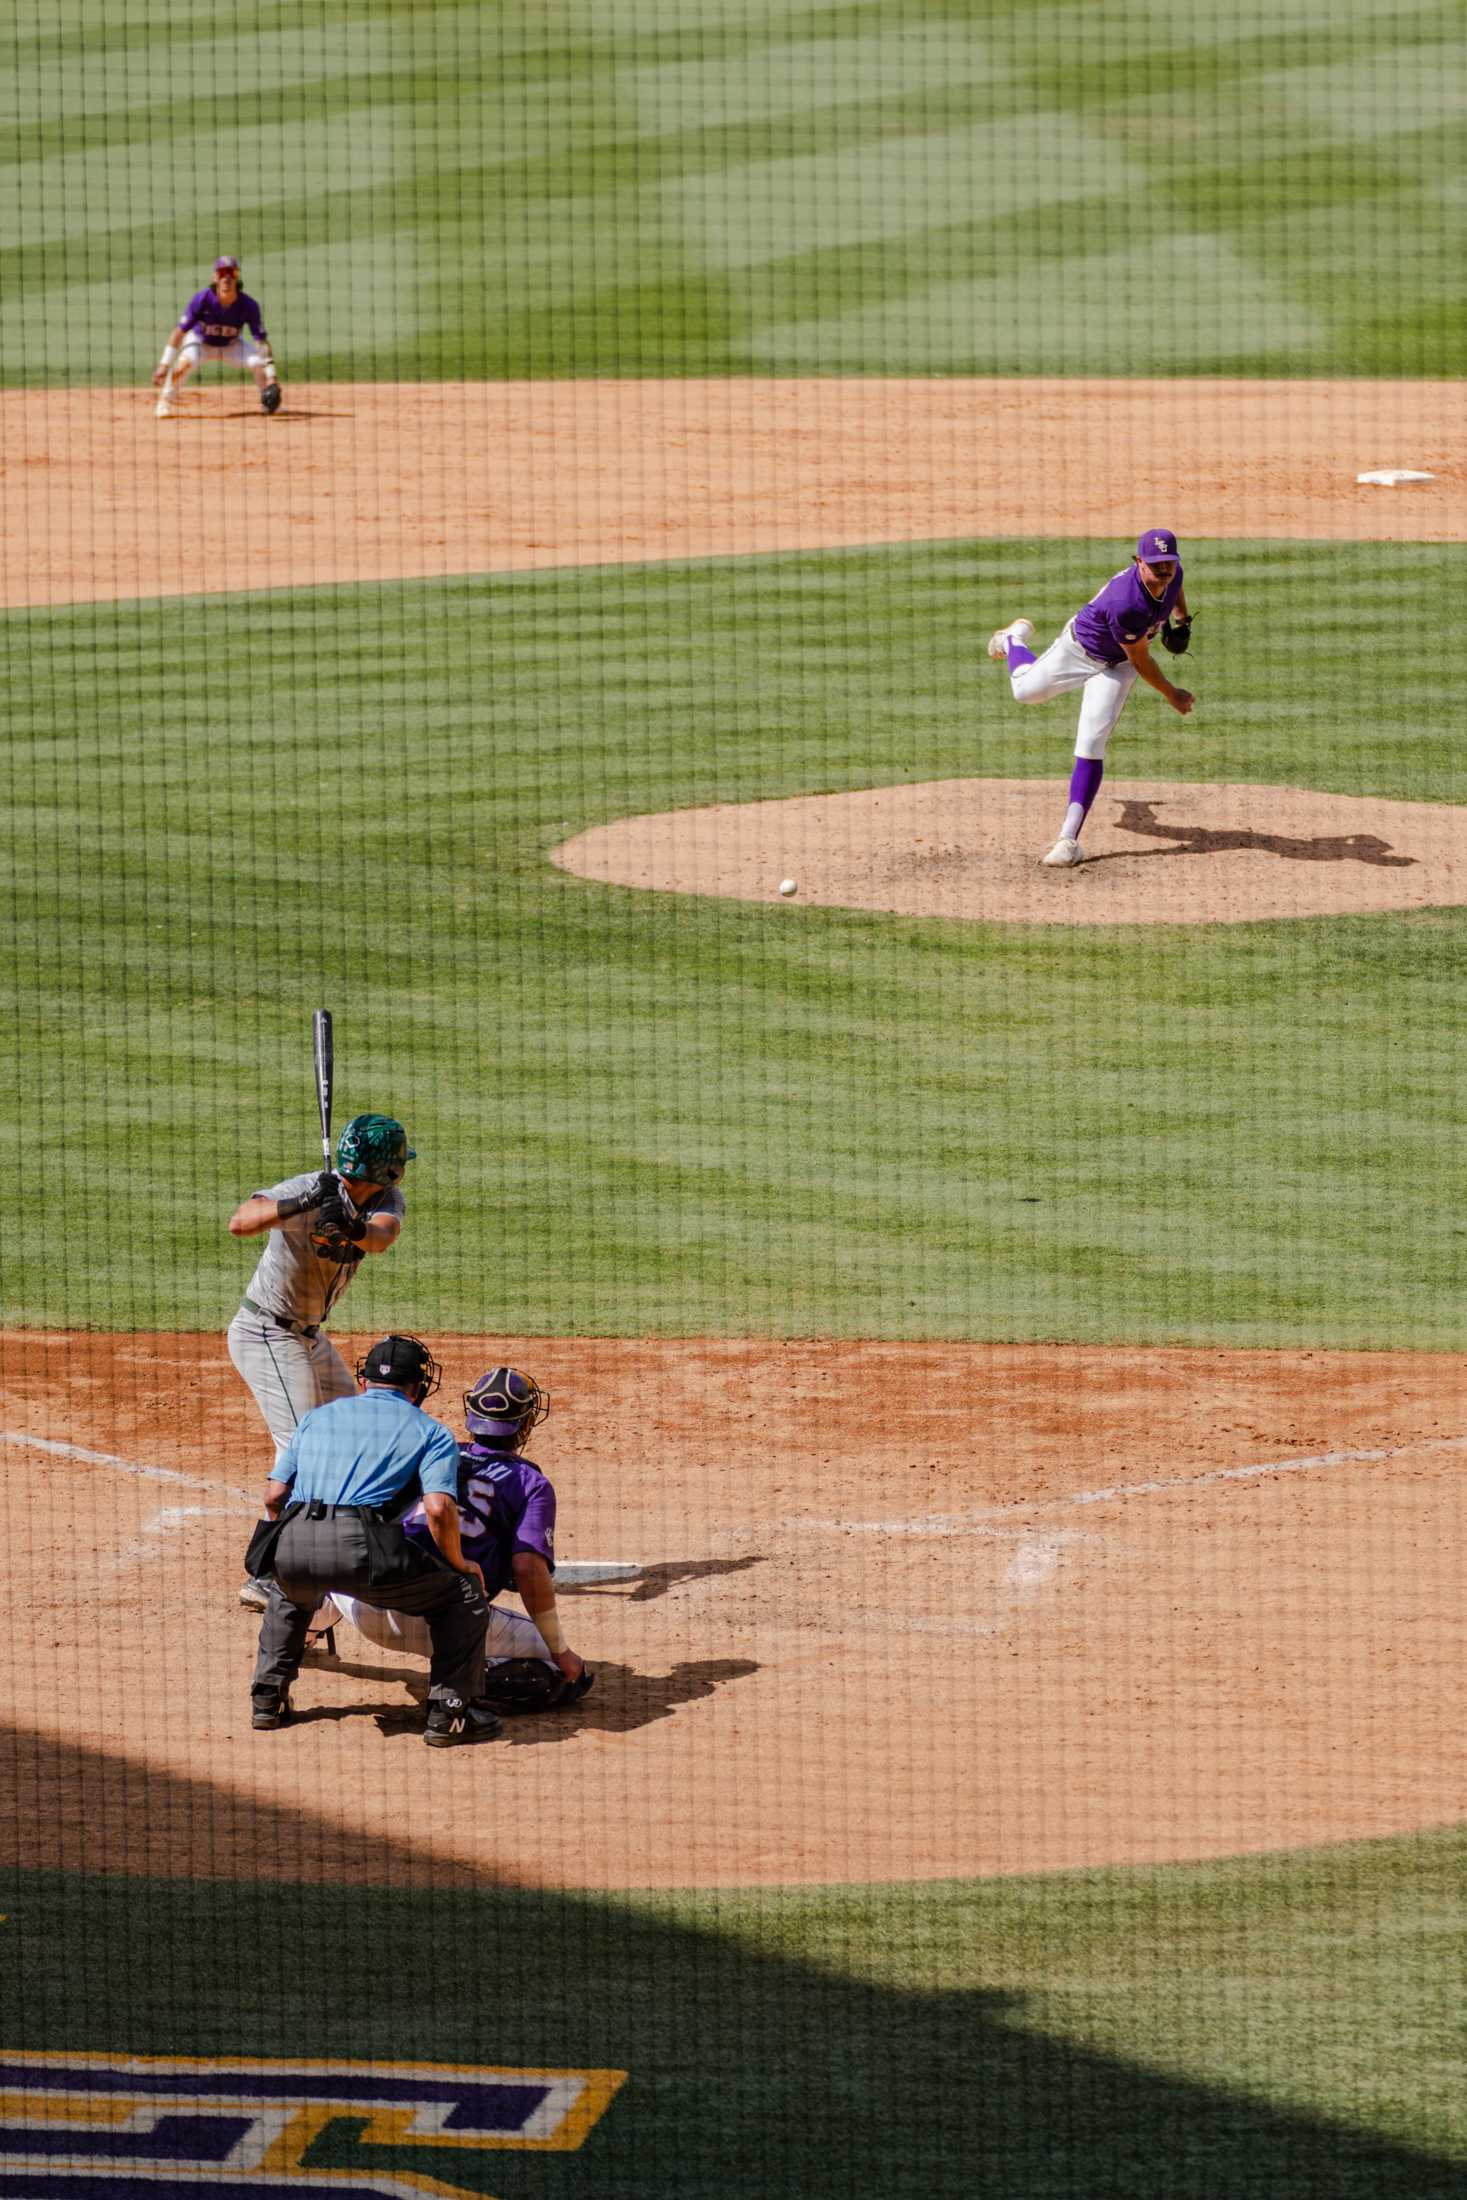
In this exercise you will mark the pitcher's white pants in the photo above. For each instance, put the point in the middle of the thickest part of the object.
(1064, 667)
(510, 1635)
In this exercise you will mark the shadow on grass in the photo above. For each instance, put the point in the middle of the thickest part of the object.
(753, 2070)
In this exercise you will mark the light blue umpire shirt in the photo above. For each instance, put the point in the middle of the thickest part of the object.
(367, 1450)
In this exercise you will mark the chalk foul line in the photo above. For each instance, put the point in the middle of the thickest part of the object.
(974, 1520)
(147, 1472)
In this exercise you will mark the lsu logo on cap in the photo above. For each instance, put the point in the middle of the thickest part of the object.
(145, 2126)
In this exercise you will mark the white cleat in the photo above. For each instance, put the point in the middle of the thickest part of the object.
(1063, 854)
(164, 409)
(1021, 630)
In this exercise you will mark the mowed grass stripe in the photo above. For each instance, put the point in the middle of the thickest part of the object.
(643, 1113)
(1252, 2028)
(601, 195)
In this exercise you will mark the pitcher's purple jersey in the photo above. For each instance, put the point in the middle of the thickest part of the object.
(1124, 611)
(219, 324)
(505, 1505)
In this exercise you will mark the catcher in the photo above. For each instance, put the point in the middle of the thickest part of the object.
(507, 1526)
(1104, 651)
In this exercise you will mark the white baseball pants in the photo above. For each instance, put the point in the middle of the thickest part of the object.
(1064, 667)
(286, 1374)
(237, 354)
(510, 1634)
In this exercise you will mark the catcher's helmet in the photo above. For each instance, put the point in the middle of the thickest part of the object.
(503, 1407)
(403, 1363)
(373, 1149)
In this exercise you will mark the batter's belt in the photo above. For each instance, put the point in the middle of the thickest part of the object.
(301, 1329)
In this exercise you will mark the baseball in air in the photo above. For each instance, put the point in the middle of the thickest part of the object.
(789, 886)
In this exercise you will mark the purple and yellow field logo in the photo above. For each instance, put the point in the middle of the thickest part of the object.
(81, 2127)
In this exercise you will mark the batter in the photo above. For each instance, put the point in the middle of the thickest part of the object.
(211, 323)
(1103, 651)
(321, 1226)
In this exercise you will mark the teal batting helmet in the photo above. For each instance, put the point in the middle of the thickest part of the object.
(373, 1149)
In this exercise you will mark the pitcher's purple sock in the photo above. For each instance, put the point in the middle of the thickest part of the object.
(1019, 655)
(1084, 787)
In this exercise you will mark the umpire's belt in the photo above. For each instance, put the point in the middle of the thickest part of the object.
(302, 1329)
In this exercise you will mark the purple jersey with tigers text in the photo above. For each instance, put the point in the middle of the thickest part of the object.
(220, 324)
(505, 1505)
(1124, 611)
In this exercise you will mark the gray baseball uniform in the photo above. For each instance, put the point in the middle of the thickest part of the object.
(276, 1340)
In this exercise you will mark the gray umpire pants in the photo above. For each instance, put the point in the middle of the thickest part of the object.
(316, 1556)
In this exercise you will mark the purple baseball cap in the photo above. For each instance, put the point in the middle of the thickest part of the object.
(1157, 542)
(224, 265)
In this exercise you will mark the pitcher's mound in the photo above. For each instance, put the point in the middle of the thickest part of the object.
(1156, 853)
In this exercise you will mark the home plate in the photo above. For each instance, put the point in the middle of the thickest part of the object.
(580, 1573)
(1386, 477)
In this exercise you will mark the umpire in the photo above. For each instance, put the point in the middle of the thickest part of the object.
(334, 1508)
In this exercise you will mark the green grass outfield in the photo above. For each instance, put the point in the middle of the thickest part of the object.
(428, 188)
(667, 1115)
(1246, 2031)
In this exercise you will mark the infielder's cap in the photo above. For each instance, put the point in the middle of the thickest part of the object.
(1157, 542)
(224, 265)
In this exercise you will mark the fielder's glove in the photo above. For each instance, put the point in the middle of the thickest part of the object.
(1176, 636)
(519, 1685)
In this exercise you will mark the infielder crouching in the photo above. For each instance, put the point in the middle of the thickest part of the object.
(211, 325)
(318, 1227)
(1103, 651)
(507, 1528)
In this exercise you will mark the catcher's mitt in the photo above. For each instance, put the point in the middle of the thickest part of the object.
(528, 1684)
(1176, 636)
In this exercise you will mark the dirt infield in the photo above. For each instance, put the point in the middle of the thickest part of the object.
(968, 849)
(1068, 1607)
(365, 483)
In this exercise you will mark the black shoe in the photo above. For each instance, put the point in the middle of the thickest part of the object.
(270, 398)
(451, 1725)
(269, 1712)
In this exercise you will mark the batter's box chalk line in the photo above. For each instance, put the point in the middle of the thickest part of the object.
(573, 1574)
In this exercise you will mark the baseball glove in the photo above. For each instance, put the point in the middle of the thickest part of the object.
(521, 1685)
(1177, 636)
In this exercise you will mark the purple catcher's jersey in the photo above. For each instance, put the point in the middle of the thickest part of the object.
(1124, 611)
(505, 1505)
(219, 324)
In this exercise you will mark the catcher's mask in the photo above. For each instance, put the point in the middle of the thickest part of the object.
(373, 1149)
(403, 1363)
(503, 1407)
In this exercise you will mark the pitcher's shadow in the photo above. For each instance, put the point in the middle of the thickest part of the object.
(1205, 840)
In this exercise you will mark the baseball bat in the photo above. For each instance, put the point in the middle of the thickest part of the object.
(325, 1080)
